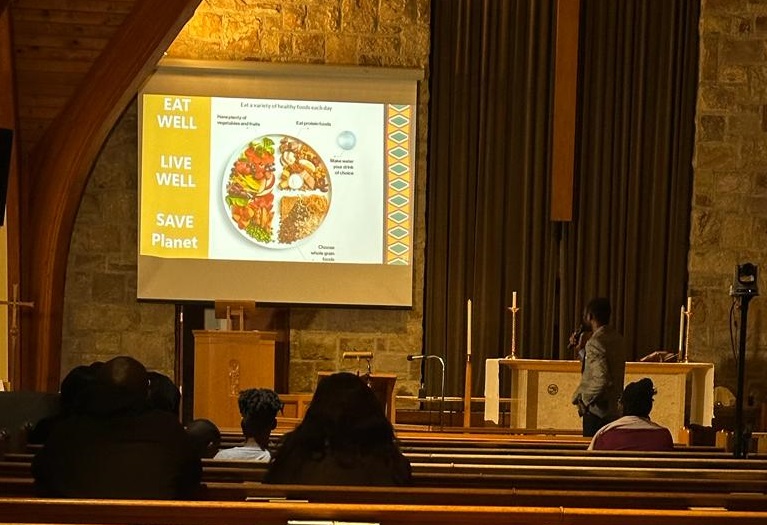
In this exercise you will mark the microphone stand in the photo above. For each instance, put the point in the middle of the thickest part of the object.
(741, 443)
(442, 389)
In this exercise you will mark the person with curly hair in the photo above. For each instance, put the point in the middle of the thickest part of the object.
(258, 408)
(343, 439)
(635, 430)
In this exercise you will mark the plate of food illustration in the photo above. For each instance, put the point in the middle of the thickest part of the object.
(276, 191)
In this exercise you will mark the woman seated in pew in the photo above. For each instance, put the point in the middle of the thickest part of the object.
(634, 431)
(258, 408)
(344, 439)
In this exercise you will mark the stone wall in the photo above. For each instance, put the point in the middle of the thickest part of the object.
(102, 317)
(729, 218)
(729, 208)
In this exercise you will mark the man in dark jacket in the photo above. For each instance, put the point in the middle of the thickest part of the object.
(118, 447)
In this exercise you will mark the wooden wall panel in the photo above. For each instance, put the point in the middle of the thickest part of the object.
(80, 18)
(55, 44)
(69, 148)
(9, 120)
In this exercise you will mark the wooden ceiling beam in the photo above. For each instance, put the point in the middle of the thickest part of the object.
(69, 149)
(565, 104)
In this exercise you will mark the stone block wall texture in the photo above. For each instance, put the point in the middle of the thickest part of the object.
(728, 223)
(729, 207)
(102, 316)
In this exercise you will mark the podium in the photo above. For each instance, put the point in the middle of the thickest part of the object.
(227, 362)
(541, 392)
(383, 387)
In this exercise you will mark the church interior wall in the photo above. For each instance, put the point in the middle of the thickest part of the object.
(101, 315)
(729, 200)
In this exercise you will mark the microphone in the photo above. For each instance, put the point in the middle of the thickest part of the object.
(576, 336)
(415, 357)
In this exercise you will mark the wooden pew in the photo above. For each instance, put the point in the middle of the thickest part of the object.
(240, 491)
(15, 469)
(17, 487)
(682, 452)
(545, 476)
(584, 480)
(484, 496)
(620, 460)
(114, 512)
(537, 472)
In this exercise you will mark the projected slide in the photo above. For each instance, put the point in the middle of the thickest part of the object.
(277, 183)
(241, 179)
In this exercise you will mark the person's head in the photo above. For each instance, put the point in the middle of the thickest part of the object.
(259, 408)
(345, 413)
(121, 384)
(74, 387)
(597, 312)
(163, 394)
(637, 398)
(205, 436)
(345, 428)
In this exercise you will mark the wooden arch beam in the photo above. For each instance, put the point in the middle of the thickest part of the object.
(61, 164)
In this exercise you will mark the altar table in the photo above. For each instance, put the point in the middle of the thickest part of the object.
(541, 392)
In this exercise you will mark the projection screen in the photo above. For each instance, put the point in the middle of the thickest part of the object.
(277, 183)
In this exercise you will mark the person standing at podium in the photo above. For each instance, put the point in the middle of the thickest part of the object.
(603, 368)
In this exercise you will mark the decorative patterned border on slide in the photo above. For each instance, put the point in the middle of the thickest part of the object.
(399, 181)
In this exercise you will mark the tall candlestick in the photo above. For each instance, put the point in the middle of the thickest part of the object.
(514, 299)
(687, 316)
(468, 327)
(681, 333)
(513, 310)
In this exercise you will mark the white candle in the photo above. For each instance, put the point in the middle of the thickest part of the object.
(514, 299)
(689, 305)
(681, 332)
(468, 327)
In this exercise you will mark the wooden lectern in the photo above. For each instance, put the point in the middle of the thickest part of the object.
(228, 361)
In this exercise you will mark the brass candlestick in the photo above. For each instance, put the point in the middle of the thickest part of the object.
(513, 309)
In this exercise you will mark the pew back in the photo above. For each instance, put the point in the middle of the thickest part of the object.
(113, 512)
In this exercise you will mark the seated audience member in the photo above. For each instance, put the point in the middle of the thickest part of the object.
(163, 393)
(634, 431)
(206, 437)
(73, 389)
(258, 408)
(116, 446)
(344, 439)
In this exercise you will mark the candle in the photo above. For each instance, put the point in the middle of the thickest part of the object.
(514, 299)
(468, 327)
(681, 332)
(689, 305)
